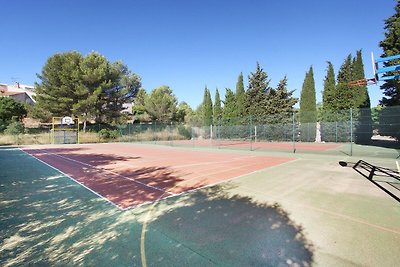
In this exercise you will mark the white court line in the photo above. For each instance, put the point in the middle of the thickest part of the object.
(66, 175)
(116, 174)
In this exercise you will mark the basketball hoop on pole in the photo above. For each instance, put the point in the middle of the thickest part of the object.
(389, 71)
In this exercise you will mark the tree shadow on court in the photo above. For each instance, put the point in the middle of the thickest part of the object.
(89, 158)
(119, 178)
(47, 219)
(211, 227)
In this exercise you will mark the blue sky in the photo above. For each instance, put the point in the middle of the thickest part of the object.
(188, 45)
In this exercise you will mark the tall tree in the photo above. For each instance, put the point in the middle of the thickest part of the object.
(329, 92)
(388, 121)
(125, 86)
(139, 106)
(330, 106)
(257, 94)
(161, 104)
(229, 110)
(283, 98)
(240, 97)
(363, 122)
(60, 80)
(217, 112)
(183, 112)
(308, 108)
(345, 97)
(89, 87)
(391, 47)
(308, 101)
(94, 80)
(207, 108)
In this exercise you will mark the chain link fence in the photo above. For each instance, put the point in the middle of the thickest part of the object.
(343, 132)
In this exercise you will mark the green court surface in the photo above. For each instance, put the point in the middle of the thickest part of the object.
(306, 212)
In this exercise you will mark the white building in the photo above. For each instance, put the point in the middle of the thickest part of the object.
(19, 92)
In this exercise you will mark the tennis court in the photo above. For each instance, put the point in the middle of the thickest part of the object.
(124, 204)
(129, 175)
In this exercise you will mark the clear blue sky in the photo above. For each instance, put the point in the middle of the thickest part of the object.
(190, 44)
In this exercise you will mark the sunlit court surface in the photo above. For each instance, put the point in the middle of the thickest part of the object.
(129, 175)
(124, 204)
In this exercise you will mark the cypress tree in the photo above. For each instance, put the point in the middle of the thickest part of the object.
(229, 110)
(308, 108)
(329, 106)
(217, 112)
(329, 92)
(344, 93)
(308, 102)
(240, 97)
(207, 108)
(363, 130)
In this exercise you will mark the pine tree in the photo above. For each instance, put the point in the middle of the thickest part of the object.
(60, 80)
(284, 100)
(257, 95)
(240, 97)
(391, 47)
(217, 112)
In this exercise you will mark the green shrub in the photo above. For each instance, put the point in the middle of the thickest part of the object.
(185, 132)
(107, 134)
(14, 128)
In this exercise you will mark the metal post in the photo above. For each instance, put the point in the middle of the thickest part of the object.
(351, 132)
(293, 134)
(251, 131)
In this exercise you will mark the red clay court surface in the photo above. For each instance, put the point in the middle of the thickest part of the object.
(286, 146)
(130, 175)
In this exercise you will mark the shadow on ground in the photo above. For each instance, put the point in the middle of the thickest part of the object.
(210, 227)
(48, 220)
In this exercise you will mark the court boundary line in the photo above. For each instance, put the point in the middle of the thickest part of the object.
(73, 179)
(146, 221)
(332, 213)
(111, 172)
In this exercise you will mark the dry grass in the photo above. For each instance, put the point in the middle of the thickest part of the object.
(25, 139)
(90, 137)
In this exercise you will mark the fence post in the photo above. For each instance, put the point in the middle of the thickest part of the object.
(251, 132)
(351, 132)
(293, 134)
(336, 132)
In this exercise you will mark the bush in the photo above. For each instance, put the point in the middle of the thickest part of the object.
(14, 128)
(182, 130)
(107, 134)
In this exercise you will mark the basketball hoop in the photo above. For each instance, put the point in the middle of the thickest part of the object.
(67, 120)
(363, 82)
